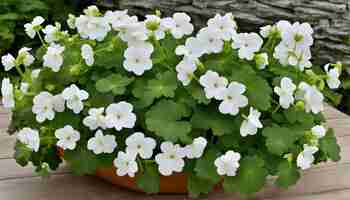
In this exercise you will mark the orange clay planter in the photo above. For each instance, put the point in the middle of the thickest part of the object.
(174, 184)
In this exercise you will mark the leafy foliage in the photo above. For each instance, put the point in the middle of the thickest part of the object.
(169, 124)
(279, 139)
(250, 178)
(288, 174)
(329, 146)
(149, 179)
(166, 110)
(83, 161)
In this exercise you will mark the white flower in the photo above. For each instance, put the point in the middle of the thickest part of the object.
(24, 87)
(306, 157)
(43, 107)
(193, 49)
(283, 26)
(332, 77)
(282, 53)
(53, 57)
(88, 54)
(31, 28)
(299, 35)
(155, 25)
(196, 149)
(52, 33)
(126, 164)
(8, 99)
(35, 73)
(138, 144)
(318, 131)
(312, 97)
(58, 103)
(251, 124)
(233, 99)
(300, 58)
(8, 61)
(91, 27)
(225, 26)
(29, 137)
(171, 159)
(265, 31)
(120, 115)
(214, 85)
(134, 33)
(75, 97)
(248, 44)
(119, 19)
(227, 164)
(25, 57)
(138, 59)
(67, 137)
(102, 143)
(179, 25)
(185, 70)
(261, 60)
(285, 92)
(210, 40)
(96, 119)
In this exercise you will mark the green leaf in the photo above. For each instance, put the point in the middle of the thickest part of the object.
(197, 92)
(110, 53)
(258, 91)
(164, 119)
(144, 97)
(22, 154)
(61, 119)
(328, 145)
(205, 168)
(114, 83)
(211, 119)
(164, 85)
(83, 161)
(197, 186)
(250, 178)
(294, 115)
(279, 139)
(288, 174)
(146, 91)
(149, 180)
(48, 155)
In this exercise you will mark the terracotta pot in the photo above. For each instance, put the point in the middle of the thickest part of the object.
(174, 184)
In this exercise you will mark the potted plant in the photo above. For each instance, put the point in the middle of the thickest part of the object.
(153, 107)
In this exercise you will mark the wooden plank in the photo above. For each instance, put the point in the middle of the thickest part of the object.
(340, 126)
(330, 195)
(333, 113)
(10, 169)
(7, 143)
(85, 188)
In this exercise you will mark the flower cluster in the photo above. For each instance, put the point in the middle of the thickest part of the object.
(150, 98)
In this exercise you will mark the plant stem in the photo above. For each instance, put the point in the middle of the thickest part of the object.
(41, 39)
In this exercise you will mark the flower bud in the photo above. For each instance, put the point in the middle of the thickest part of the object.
(261, 60)
(92, 11)
(75, 70)
(300, 105)
(71, 21)
(50, 87)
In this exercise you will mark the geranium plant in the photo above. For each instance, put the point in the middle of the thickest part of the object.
(152, 99)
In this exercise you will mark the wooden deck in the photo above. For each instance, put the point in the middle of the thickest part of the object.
(327, 182)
